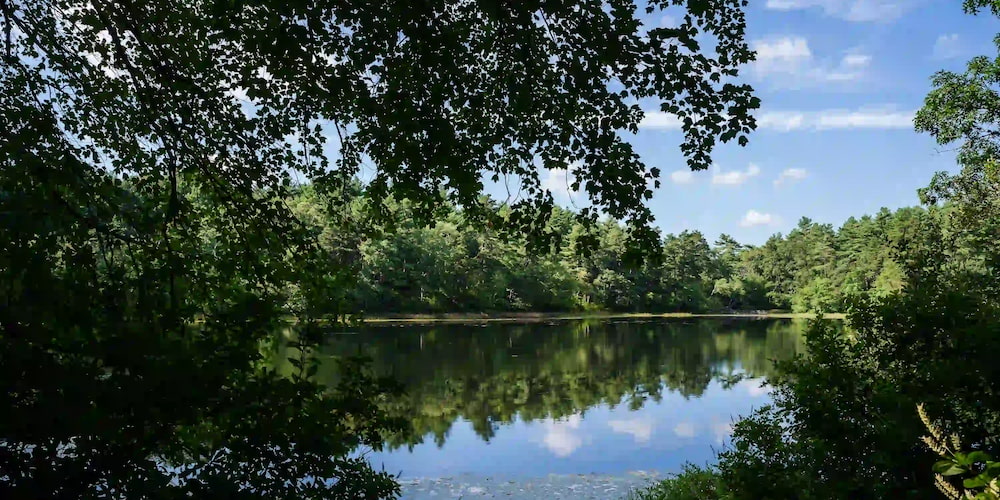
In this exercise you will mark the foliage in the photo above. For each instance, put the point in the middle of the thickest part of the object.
(941, 325)
(818, 295)
(148, 245)
(980, 471)
(455, 265)
(925, 330)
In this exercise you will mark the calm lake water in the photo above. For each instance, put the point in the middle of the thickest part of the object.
(570, 397)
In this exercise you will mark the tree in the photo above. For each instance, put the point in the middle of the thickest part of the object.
(818, 295)
(728, 251)
(687, 268)
(926, 336)
(145, 174)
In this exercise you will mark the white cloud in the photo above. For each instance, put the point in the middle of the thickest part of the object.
(755, 218)
(93, 58)
(843, 119)
(238, 94)
(685, 430)
(781, 121)
(862, 118)
(790, 176)
(558, 181)
(850, 10)
(781, 54)
(790, 121)
(735, 177)
(641, 429)
(947, 47)
(856, 60)
(789, 62)
(96, 60)
(683, 176)
(668, 21)
(559, 436)
(660, 120)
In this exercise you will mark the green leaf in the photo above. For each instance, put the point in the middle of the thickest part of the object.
(976, 482)
(953, 471)
(947, 468)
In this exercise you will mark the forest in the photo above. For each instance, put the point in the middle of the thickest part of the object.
(453, 265)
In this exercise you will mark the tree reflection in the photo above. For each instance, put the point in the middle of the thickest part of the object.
(492, 374)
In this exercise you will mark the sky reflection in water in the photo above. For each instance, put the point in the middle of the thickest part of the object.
(660, 436)
(528, 400)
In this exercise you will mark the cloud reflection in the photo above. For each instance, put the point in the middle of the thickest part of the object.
(641, 429)
(756, 387)
(559, 436)
(722, 431)
(685, 430)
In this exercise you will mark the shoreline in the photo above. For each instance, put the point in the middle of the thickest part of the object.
(537, 317)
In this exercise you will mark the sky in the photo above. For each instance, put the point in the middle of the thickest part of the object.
(839, 82)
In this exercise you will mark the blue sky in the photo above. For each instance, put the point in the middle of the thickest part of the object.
(839, 81)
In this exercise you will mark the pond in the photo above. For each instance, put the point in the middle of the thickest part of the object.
(519, 401)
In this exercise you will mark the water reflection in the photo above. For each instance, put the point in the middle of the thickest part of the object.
(561, 437)
(571, 397)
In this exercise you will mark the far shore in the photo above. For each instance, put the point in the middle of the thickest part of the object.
(535, 316)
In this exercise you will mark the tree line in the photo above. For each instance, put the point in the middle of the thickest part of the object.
(454, 265)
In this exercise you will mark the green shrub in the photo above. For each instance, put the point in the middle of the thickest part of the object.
(694, 483)
(978, 472)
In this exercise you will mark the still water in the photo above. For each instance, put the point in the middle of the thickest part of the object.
(569, 397)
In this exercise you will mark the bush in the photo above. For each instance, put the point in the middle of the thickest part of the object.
(694, 483)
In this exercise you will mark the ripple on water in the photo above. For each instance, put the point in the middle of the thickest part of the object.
(581, 486)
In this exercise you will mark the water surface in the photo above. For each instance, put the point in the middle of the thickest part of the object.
(521, 401)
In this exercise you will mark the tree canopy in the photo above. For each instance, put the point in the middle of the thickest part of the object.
(438, 96)
(146, 242)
